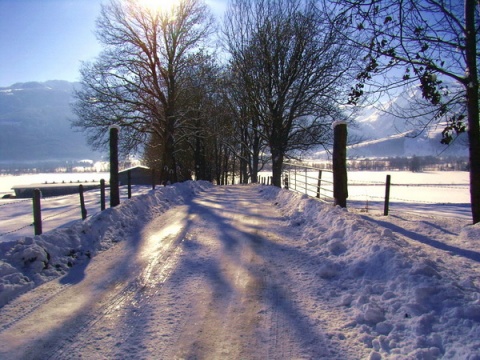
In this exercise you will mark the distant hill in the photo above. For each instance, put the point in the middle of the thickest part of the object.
(35, 124)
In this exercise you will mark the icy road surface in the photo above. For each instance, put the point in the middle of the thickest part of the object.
(205, 280)
(193, 271)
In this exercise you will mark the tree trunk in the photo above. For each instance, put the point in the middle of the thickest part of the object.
(233, 169)
(218, 162)
(472, 108)
(244, 160)
(254, 169)
(225, 167)
(256, 147)
(200, 160)
(168, 171)
(277, 165)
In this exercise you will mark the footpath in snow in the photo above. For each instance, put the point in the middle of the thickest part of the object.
(193, 271)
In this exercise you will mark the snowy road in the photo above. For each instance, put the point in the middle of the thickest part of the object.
(193, 271)
(204, 280)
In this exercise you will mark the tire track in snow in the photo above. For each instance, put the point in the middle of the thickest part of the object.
(105, 297)
(244, 310)
(134, 296)
(9, 316)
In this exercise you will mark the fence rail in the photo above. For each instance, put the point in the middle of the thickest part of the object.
(379, 195)
(16, 214)
(311, 181)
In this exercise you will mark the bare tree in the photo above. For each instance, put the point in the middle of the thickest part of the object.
(208, 123)
(434, 44)
(248, 137)
(135, 82)
(290, 62)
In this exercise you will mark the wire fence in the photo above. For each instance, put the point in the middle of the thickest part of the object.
(370, 195)
(16, 215)
(310, 181)
(365, 195)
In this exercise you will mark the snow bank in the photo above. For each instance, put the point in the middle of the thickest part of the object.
(31, 261)
(403, 301)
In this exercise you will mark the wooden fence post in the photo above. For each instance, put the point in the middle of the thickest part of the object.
(387, 196)
(114, 182)
(102, 194)
(129, 183)
(295, 178)
(37, 212)
(82, 202)
(340, 191)
(306, 182)
(319, 184)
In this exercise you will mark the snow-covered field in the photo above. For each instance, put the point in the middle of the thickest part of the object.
(445, 193)
(434, 193)
(253, 272)
(16, 215)
(9, 181)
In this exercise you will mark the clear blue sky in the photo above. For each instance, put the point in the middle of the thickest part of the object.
(47, 39)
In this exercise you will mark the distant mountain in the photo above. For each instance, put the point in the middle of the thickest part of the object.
(35, 124)
(378, 133)
(407, 145)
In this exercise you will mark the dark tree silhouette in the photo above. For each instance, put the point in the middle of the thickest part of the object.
(134, 83)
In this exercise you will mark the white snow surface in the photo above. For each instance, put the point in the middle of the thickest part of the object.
(193, 271)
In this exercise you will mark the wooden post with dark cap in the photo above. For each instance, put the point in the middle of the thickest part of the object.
(114, 182)
(37, 212)
(340, 191)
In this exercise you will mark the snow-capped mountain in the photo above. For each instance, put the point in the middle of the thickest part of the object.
(377, 132)
(35, 123)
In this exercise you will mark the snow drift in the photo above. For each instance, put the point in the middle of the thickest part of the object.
(404, 299)
(31, 261)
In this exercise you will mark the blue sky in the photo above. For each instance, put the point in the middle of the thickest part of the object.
(47, 39)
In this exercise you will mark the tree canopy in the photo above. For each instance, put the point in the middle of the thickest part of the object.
(136, 81)
(292, 69)
(158, 79)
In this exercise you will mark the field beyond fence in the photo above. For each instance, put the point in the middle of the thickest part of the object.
(435, 193)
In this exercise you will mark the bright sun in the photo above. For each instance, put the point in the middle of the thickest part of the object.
(159, 5)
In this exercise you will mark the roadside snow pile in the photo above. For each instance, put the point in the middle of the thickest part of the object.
(403, 300)
(31, 261)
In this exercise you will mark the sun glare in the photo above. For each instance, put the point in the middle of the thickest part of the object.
(159, 5)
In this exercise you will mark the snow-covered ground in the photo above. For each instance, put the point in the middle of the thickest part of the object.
(433, 193)
(444, 193)
(252, 272)
(9, 181)
(16, 215)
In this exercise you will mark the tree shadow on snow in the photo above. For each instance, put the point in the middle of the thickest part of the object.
(454, 250)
